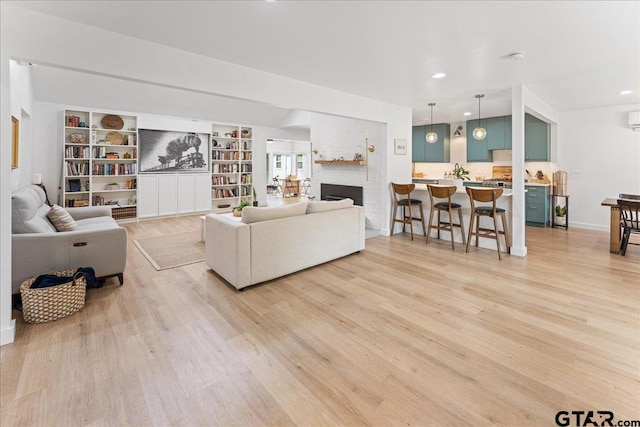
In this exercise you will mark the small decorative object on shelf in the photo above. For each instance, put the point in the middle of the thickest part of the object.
(77, 138)
(111, 121)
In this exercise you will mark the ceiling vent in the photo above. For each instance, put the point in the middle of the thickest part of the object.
(634, 120)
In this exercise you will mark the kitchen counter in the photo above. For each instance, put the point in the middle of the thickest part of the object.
(424, 180)
(537, 185)
(462, 198)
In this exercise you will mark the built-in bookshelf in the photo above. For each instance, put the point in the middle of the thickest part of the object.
(100, 161)
(231, 165)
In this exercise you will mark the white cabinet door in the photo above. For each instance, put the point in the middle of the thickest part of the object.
(186, 193)
(147, 196)
(167, 194)
(203, 192)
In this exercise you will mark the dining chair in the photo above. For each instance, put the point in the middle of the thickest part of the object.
(629, 219)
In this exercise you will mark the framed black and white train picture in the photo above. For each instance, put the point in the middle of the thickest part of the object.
(170, 151)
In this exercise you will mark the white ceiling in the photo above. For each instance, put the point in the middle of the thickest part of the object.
(579, 54)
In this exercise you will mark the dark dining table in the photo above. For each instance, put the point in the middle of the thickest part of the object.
(614, 225)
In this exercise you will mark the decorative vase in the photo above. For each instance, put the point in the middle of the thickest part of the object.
(237, 212)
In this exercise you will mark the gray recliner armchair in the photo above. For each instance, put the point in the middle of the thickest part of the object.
(37, 247)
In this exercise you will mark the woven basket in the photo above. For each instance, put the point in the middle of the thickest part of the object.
(47, 304)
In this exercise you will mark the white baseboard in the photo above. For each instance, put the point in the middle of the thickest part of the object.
(519, 251)
(587, 226)
(8, 335)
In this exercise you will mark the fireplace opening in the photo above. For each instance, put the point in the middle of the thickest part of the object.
(339, 192)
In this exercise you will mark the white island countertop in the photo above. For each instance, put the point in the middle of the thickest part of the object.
(505, 193)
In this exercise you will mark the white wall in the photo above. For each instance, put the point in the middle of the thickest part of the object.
(45, 39)
(602, 157)
(22, 109)
(17, 101)
(335, 137)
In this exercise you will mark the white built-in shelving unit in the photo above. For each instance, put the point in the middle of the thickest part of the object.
(231, 165)
(100, 165)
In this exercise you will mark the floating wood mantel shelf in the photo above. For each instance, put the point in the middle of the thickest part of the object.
(340, 162)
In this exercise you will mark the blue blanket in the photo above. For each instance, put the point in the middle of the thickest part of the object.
(47, 280)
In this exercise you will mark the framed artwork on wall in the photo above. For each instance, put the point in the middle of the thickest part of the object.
(400, 146)
(15, 141)
(171, 152)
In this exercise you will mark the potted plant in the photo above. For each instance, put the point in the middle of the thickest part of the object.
(561, 213)
(255, 197)
(237, 211)
(460, 173)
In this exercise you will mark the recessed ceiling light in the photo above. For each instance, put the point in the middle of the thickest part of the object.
(467, 113)
(625, 92)
(438, 75)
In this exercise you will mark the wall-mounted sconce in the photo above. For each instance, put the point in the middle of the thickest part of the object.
(458, 131)
(368, 149)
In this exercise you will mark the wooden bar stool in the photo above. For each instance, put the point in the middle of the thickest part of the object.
(407, 204)
(487, 195)
(444, 192)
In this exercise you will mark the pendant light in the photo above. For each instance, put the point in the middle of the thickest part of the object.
(432, 137)
(479, 133)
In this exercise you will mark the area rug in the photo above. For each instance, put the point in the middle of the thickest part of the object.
(172, 250)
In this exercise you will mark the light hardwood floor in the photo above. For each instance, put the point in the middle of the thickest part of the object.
(403, 333)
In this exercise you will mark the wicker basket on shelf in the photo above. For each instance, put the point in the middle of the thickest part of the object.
(42, 305)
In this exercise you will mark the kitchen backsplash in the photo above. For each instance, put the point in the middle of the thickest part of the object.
(438, 170)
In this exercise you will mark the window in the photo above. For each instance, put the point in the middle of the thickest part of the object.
(299, 161)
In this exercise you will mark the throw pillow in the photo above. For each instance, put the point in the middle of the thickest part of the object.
(328, 205)
(255, 214)
(61, 219)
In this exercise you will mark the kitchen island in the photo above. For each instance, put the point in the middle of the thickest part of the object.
(461, 197)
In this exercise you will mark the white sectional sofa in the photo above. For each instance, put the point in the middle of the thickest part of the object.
(270, 242)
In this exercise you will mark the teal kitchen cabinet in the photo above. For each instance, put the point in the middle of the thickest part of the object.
(477, 151)
(438, 152)
(418, 149)
(508, 136)
(536, 139)
(537, 205)
(499, 133)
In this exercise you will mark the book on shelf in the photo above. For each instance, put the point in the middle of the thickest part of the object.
(75, 168)
(98, 201)
(72, 121)
(76, 203)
